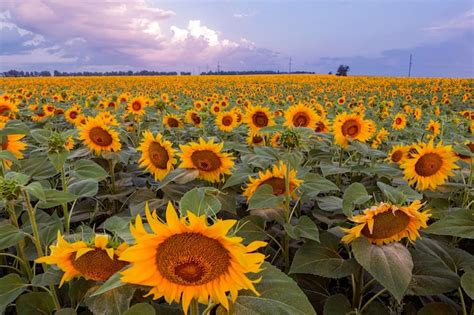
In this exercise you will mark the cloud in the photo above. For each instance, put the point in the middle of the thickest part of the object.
(243, 15)
(114, 32)
(462, 22)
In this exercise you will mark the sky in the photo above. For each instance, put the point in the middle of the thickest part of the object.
(373, 37)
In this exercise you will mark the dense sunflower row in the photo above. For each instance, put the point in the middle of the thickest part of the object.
(262, 168)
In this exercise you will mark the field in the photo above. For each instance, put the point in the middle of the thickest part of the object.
(279, 194)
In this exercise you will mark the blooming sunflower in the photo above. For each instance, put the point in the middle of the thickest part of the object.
(258, 117)
(192, 117)
(12, 144)
(73, 113)
(301, 115)
(276, 179)
(96, 261)
(255, 138)
(157, 155)
(387, 223)
(352, 127)
(399, 122)
(137, 106)
(398, 154)
(7, 110)
(185, 259)
(98, 136)
(226, 121)
(467, 158)
(322, 126)
(207, 158)
(429, 166)
(172, 121)
(434, 127)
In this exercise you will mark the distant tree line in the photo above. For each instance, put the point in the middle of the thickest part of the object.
(56, 73)
(252, 72)
(16, 73)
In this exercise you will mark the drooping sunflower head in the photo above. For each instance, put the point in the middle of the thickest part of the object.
(301, 115)
(274, 177)
(387, 223)
(185, 259)
(257, 117)
(348, 127)
(399, 122)
(207, 158)
(226, 121)
(96, 261)
(157, 155)
(98, 136)
(467, 158)
(398, 154)
(255, 138)
(430, 165)
(172, 121)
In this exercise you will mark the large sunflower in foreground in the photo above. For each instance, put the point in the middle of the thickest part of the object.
(430, 165)
(276, 179)
(185, 259)
(257, 117)
(352, 127)
(12, 144)
(387, 223)
(96, 261)
(301, 116)
(157, 155)
(207, 158)
(98, 136)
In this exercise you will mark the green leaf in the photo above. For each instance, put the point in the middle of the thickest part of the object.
(112, 302)
(112, 283)
(330, 169)
(391, 265)
(181, 175)
(459, 223)
(322, 259)
(467, 283)
(437, 308)
(264, 198)
(355, 194)
(14, 128)
(238, 178)
(305, 228)
(7, 155)
(66, 311)
(391, 193)
(88, 169)
(58, 159)
(10, 235)
(313, 184)
(35, 303)
(337, 304)
(329, 203)
(55, 198)
(251, 228)
(41, 135)
(140, 309)
(50, 277)
(200, 200)
(121, 227)
(279, 294)
(35, 189)
(38, 168)
(11, 286)
(84, 188)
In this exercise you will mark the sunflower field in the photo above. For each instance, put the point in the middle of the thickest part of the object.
(283, 194)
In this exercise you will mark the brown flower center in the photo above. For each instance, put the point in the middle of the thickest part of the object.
(158, 155)
(398, 121)
(97, 265)
(195, 117)
(257, 139)
(350, 128)
(172, 122)
(136, 105)
(387, 224)
(429, 164)
(300, 119)
(397, 156)
(278, 185)
(73, 115)
(191, 259)
(4, 110)
(227, 121)
(260, 119)
(4, 143)
(100, 137)
(319, 127)
(206, 160)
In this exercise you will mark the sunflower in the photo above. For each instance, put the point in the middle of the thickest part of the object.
(255, 138)
(198, 105)
(172, 121)
(434, 127)
(137, 106)
(98, 136)
(399, 122)
(73, 113)
(157, 155)
(467, 158)
(185, 259)
(207, 158)
(226, 121)
(258, 117)
(417, 113)
(398, 154)
(95, 261)
(275, 139)
(12, 144)
(69, 144)
(322, 126)
(301, 116)
(429, 166)
(352, 127)
(7, 110)
(276, 179)
(387, 223)
(192, 117)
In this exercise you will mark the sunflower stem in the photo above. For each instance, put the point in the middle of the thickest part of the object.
(288, 213)
(64, 205)
(463, 303)
(194, 307)
(112, 174)
(371, 300)
(21, 243)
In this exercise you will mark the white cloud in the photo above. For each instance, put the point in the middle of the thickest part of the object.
(462, 22)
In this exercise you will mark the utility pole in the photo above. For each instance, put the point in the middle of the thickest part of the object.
(218, 67)
(289, 66)
(409, 66)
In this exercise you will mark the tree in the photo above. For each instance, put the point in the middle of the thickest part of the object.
(342, 70)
